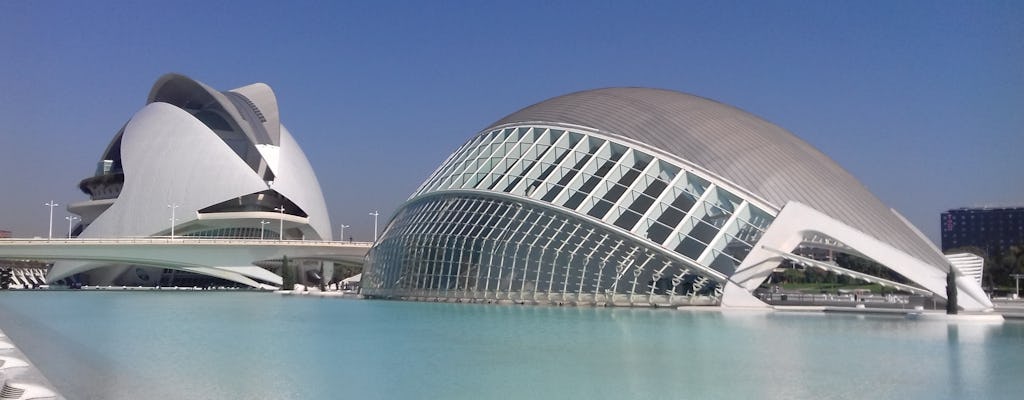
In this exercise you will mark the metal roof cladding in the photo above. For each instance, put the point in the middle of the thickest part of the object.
(738, 147)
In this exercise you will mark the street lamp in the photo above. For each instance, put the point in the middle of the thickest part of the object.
(51, 204)
(263, 223)
(281, 225)
(174, 220)
(375, 214)
(343, 226)
(71, 219)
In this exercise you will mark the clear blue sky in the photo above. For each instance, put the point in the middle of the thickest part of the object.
(923, 101)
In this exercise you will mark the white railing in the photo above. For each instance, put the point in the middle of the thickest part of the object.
(183, 240)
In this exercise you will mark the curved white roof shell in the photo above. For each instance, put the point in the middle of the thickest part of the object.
(224, 161)
(641, 196)
(756, 155)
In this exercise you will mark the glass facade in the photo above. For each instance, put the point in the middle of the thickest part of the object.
(544, 213)
(234, 233)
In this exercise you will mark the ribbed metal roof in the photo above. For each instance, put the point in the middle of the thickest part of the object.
(758, 156)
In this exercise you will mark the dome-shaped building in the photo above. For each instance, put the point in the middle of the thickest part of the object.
(197, 162)
(636, 196)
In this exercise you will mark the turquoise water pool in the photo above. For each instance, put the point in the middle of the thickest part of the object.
(121, 345)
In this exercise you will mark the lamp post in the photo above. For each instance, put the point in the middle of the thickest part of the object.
(51, 204)
(375, 214)
(263, 223)
(71, 219)
(343, 226)
(174, 220)
(280, 228)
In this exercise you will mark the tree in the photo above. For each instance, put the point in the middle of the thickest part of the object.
(342, 271)
(322, 285)
(1012, 259)
(5, 278)
(951, 306)
(287, 275)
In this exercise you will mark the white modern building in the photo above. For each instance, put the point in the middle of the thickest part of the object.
(634, 196)
(197, 162)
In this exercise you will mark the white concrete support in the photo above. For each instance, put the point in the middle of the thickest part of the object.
(797, 220)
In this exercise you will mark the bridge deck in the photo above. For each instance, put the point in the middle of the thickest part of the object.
(157, 240)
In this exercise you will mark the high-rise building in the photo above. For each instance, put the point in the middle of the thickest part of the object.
(992, 229)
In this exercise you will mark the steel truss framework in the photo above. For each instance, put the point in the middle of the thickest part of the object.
(585, 214)
(565, 199)
(477, 248)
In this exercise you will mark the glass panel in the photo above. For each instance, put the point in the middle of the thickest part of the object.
(627, 220)
(695, 184)
(553, 158)
(568, 175)
(724, 264)
(658, 232)
(643, 202)
(702, 231)
(690, 247)
(724, 200)
(589, 185)
(614, 192)
(600, 209)
(677, 210)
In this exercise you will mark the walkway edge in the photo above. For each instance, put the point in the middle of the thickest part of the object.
(25, 377)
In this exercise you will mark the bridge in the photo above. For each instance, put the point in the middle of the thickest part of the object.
(231, 259)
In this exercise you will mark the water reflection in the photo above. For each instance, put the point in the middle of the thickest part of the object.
(238, 345)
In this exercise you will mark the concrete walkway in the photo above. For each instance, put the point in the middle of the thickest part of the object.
(18, 374)
(1011, 309)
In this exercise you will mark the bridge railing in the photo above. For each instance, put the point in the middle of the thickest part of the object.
(183, 240)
